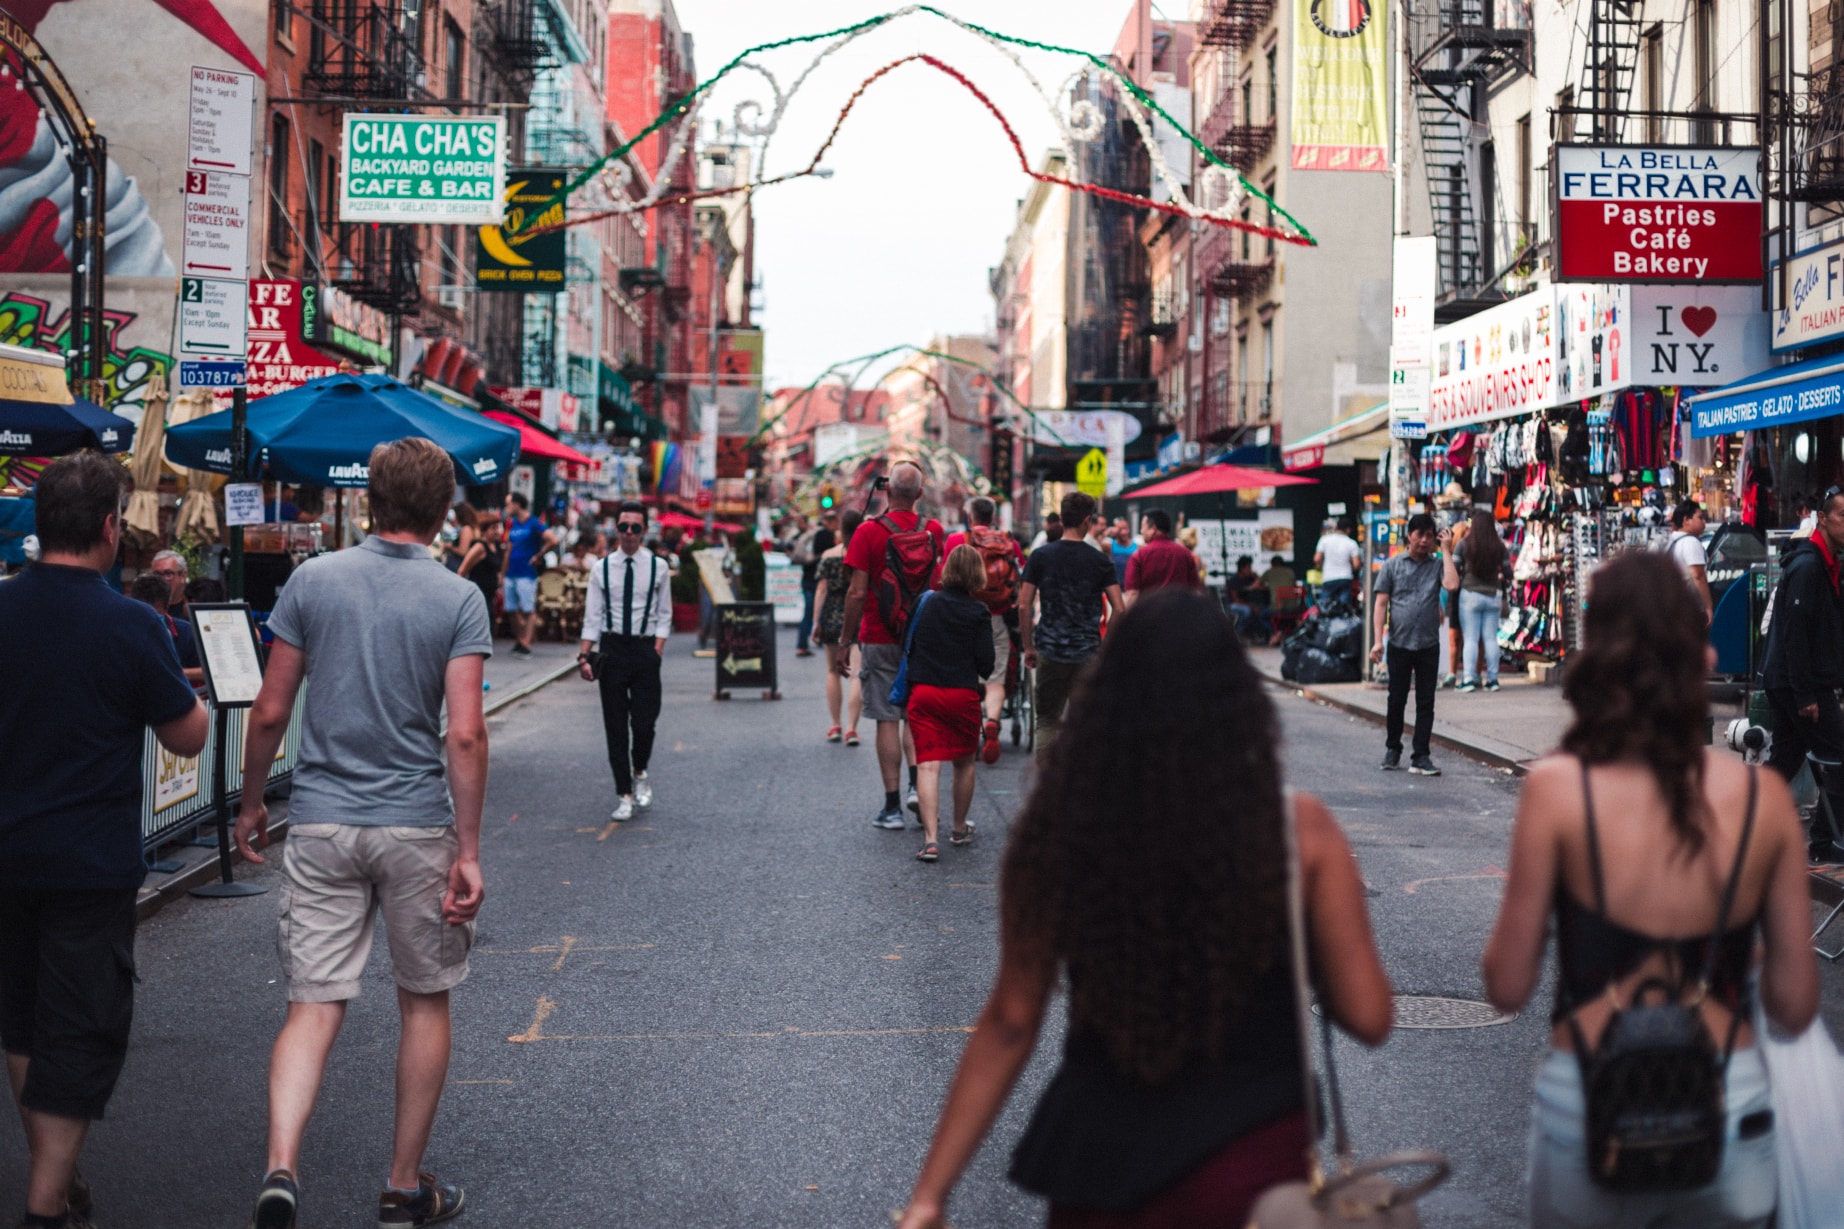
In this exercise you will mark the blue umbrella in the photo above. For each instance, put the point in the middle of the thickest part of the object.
(34, 429)
(322, 433)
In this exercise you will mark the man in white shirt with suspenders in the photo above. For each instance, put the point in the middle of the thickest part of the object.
(626, 618)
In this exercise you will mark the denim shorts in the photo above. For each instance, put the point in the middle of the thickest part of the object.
(522, 594)
(1563, 1196)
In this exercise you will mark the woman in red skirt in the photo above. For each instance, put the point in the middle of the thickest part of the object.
(950, 655)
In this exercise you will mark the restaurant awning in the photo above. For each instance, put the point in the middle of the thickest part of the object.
(1339, 444)
(534, 443)
(1775, 397)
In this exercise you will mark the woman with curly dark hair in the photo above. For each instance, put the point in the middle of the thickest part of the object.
(1149, 868)
(1661, 861)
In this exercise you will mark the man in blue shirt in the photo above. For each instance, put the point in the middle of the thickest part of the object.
(526, 540)
(87, 670)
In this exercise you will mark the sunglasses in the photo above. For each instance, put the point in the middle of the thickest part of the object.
(631, 527)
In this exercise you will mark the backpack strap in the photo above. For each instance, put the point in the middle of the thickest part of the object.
(608, 603)
(1594, 844)
(652, 589)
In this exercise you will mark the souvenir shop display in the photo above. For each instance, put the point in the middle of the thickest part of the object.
(1568, 488)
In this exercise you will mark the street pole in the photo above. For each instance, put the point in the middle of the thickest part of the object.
(240, 464)
(710, 512)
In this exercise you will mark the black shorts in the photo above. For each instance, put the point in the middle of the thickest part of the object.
(67, 993)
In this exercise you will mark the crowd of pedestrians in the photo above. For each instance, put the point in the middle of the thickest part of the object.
(1163, 873)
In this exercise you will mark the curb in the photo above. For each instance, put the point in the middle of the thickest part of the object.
(513, 697)
(152, 900)
(1491, 759)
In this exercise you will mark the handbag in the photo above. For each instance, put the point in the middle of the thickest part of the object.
(1806, 1074)
(899, 686)
(1359, 1194)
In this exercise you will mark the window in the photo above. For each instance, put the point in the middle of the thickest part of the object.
(1267, 188)
(1248, 98)
(1525, 227)
(454, 59)
(317, 166)
(329, 184)
(1267, 365)
(1274, 83)
(1242, 376)
(1652, 82)
(280, 226)
(284, 20)
(454, 268)
(1488, 206)
(1703, 31)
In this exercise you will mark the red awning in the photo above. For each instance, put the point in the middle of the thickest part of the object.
(535, 443)
(1212, 478)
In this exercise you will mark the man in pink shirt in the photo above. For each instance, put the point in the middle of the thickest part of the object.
(1161, 561)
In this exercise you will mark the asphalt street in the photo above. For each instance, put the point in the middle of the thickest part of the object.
(742, 1009)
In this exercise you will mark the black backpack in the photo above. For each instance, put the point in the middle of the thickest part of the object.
(1654, 1083)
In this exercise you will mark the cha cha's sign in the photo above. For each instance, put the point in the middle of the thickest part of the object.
(1496, 364)
(423, 168)
(1641, 213)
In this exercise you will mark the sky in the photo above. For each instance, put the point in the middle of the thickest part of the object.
(896, 246)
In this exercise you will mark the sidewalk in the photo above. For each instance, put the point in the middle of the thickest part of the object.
(512, 678)
(509, 679)
(1507, 729)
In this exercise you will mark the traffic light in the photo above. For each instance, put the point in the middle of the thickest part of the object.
(829, 498)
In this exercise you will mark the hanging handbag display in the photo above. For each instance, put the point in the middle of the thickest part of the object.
(1358, 1194)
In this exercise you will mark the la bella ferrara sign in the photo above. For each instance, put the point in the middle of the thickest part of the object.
(1644, 213)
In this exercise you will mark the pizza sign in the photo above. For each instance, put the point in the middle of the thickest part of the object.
(1636, 213)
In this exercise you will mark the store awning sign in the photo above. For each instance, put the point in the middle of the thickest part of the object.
(1810, 291)
(1643, 213)
(423, 168)
(1772, 398)
(1498, 363)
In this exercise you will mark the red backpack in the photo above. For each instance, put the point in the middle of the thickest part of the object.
(1000, 555)
(912, 566)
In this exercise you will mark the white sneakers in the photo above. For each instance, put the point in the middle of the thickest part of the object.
(643, 791)
(624, 808)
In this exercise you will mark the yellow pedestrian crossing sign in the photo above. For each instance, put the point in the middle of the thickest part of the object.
(1092, 473)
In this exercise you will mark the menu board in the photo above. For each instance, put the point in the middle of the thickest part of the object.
(229, 648)
(746, 645)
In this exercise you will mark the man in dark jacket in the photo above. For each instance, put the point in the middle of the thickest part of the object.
(1804, 665)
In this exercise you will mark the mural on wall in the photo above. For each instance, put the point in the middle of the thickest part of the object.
(137, 102)
(127, 369)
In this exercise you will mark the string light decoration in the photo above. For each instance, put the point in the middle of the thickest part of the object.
(1221, 188)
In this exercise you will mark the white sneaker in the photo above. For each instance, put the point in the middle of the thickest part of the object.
(624, 809)
(643, 791)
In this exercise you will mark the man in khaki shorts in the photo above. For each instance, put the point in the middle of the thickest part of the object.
(383, 635)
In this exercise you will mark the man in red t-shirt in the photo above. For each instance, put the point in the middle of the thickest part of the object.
(882, 651)
(980, 514)
(1161, 561)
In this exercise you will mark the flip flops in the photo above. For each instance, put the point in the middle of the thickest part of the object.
(928, 853)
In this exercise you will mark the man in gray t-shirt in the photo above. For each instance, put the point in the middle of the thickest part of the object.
(385, 815)
(1408, 607)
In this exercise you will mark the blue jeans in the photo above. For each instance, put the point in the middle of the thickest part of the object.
(805, 631)
(1479, 622)
(1563, 1196)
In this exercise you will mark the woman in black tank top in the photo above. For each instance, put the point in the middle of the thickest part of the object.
(1661, 862)
(1149, 869)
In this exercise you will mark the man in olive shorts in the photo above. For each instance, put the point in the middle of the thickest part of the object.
(383, 634)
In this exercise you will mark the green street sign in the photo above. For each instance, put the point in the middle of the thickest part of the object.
(423, 168)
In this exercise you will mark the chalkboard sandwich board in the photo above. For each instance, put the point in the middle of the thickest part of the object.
(746, 648)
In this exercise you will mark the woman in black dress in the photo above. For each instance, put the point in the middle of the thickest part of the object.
(482, 561)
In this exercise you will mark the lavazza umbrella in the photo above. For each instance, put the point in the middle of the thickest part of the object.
(323, 432)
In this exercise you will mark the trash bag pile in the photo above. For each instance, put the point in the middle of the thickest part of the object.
(1328, 647)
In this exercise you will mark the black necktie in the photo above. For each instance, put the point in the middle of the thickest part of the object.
(627, 599)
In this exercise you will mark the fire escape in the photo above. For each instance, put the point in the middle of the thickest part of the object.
(517, 42)
(1460, 61)
(1232, 265)
(359, 51)
(1802, 140)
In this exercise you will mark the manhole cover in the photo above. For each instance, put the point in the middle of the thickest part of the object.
(1433, 1011)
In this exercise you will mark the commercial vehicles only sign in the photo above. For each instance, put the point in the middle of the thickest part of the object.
(1644, 213)
(423, 168)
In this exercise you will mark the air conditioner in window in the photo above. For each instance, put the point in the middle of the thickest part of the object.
(452, 297)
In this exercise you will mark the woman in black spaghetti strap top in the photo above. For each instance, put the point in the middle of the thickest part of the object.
(1661, 862)
(1148, 869)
